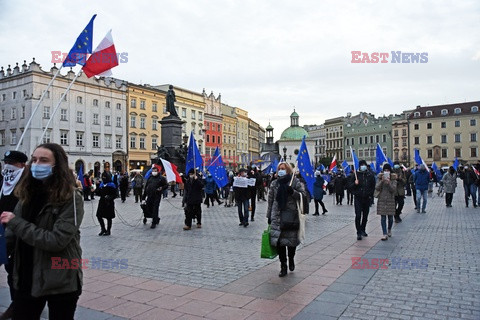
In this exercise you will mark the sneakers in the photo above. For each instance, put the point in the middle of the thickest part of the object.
(389, 233)
(385, 237)
(187, 228)
(423, 211)
(364, 234)
(316, 214)
(359, 236)
(418, 210)
(199, 225)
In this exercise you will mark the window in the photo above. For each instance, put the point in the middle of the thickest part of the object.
(142, 104)
(184, 112)
(429, 140)
(404, 132)
(14, 95)
(165, 109)
(474, 109)
(473, 152)
(4, 97)
(213, 139)
(79, 139)
(13, 114)
(133, 142)
(473, 122)
(13, 136)
(2, 138)
(63, 138)
(119, 106)
(395, 143)
(24, 92)
(154, 106)
(95, 140)
(371, 139)
(118, 142)
(119, 122)
(458, 152)
(46, 112)
(360, 140)
(444, 153)
(142, 142)
(142, 122)
(95, 102)
(107, 120)
(79, 100)
(473, 137)
(193, 114)
(133, 121)
(348, 142)
(395, 133)
(63, 114)
(154, 143)
(208, 138)
(443, 125)
(429, 153)
(457, 111)
(154, 123)
(444, 112)
(457, 123)
(200, 117)
(444, 138)
(429, 126)
(47, 94)
(107, 104)
(404, 142)
(384, 138)
(23, 113)
(133, 103)
(95, 118)
(79, 116)
(108, 141)
(377, 138)
(417, 140)
(457, 137)
(415, 126)
(416, 114)
(428, 113)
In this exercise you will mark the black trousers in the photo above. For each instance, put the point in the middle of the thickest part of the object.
(123, 193)
(414, 196)
(349, 197)
(448, 199)
(321, 203)
(253, 200)
(362, 208)
(153, 203)
(138, 194)
(399, 203)
(339, 196)
(193, 211)
(60, 306)
(282, 253)
(102, 224)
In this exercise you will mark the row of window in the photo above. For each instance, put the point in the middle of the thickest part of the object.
(444, 112)
(142, 124)
(192, 114)
(365, 153)
(366, 139)
(443, 124)
(395, 132)
(443, 138)
(213, 126)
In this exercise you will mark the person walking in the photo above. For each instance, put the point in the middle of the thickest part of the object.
(411, 183)
(386, 187)
(339, 183)
(469, 184)
(318, 193)
(349, 191)
(87, 187)
(11, 174)
(123, 186)
(155, 186)
(363, 187)
(106, 205)
(400, 192)
(242, 195)
(253, 174)
(210, 190)
(449, 181)
(44, 228)
(421, 179)
(193, 200)
(282, 207)
(138, 184)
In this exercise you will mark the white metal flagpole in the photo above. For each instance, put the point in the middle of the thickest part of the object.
(36, 108)
(58, 104)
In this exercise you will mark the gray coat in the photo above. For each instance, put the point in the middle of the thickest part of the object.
(278, 237)
(386, 198)
(401, 181)
(449, 182)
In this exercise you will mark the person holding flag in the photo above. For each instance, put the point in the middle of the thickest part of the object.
(362, 185)
(192, 198)
(154, 188)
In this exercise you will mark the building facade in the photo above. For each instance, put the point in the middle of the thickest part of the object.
(291, 139)
(334, 143)
(90, 123)
(317, 133)
(253, 140)
(445, 132)
(213, 124)
(229, 119)
(400, 141)
(242, 137)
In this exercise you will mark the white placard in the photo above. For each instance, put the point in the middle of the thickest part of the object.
(240, 182)
(251, 182)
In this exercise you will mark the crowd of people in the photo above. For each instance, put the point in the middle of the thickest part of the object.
(42, 207)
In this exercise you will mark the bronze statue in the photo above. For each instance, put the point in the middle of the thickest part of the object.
(170, 99)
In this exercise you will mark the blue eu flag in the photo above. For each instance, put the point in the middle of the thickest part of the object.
(346, 167)
(194, 159)
(380, 158)
(305, 166)
(455, 163)
(83, 45)
(217, 169)
(418, 159)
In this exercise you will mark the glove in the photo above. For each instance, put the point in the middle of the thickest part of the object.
(290, 190)
(269, 221)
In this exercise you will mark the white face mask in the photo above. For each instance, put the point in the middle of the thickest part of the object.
(282, 172)
(154, 173)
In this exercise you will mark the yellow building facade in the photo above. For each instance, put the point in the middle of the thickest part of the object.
(242, 136)
(229, 146)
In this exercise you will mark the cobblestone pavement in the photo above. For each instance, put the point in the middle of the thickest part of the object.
(215, 272)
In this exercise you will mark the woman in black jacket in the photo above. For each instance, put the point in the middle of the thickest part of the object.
(106, 205)
(154, 188)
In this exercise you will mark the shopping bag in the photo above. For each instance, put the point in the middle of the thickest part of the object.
(301, 218)
(267, 251)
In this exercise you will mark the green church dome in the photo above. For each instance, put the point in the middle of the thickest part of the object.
(294, 133)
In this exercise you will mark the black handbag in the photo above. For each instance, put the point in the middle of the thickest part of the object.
(289, 220)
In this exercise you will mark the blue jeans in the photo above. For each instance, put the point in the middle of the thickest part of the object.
(243, 217)
(422, 194)
(471, 190)
(383, 222)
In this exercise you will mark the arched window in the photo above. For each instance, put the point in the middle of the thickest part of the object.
(457, 110)
(444, 112)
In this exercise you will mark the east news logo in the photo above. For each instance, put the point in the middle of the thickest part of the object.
(394, 56)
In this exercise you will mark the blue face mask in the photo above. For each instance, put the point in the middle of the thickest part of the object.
(41, 171)
(363, 168)
(281, 173)
(396, 166)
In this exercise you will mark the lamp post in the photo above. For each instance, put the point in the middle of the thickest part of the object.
(285, 154)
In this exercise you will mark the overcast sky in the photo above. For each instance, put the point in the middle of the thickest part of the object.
(269, 56)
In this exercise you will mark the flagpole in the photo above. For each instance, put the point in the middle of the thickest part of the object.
(36, 108)
(58, 104)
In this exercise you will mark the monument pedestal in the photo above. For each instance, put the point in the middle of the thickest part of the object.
(171, 128)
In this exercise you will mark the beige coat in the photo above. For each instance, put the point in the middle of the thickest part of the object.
(386, 197)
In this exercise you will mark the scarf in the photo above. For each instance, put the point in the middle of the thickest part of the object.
(282, 191)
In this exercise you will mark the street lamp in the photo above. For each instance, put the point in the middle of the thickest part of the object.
(285, 154)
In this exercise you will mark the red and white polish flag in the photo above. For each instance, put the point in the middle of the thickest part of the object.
(102, 59)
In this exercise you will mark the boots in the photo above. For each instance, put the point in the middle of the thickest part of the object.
(109, 227)
(291, 263)
(102, 226)
(283, 270)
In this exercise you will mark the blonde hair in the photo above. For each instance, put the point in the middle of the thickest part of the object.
(288, 168)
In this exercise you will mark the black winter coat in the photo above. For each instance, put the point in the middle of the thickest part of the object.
(366, 184)
(106, 204)
(154, 186)
(193, 192)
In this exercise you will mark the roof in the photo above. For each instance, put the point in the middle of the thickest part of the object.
(294, 114)
(436, 111)
(269, 127)
(294, 133)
